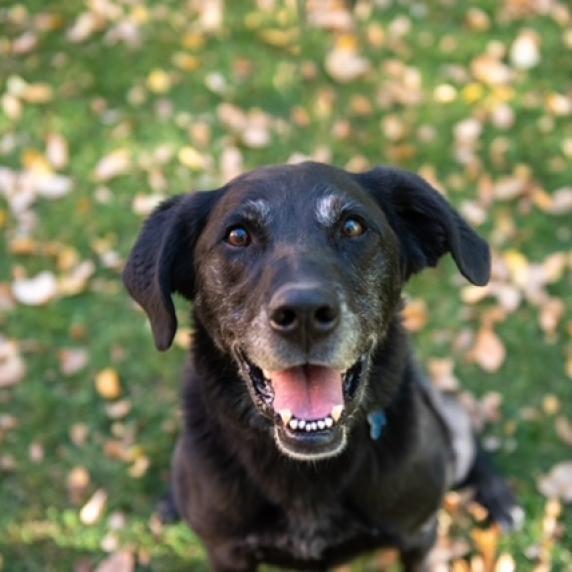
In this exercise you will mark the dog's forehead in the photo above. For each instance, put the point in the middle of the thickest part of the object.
(305, 188)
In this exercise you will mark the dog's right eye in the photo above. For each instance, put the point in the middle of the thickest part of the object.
(237, 236)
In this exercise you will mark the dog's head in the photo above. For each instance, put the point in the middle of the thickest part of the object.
(296, 273)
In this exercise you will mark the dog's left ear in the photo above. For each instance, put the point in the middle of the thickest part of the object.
(162, 260)
(426, 225)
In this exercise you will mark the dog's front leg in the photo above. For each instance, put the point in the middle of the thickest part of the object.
(415, 555)
(228, 557)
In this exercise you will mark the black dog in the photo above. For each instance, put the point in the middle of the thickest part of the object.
(310, 435)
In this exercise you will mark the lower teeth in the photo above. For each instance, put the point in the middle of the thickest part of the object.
(310, 426)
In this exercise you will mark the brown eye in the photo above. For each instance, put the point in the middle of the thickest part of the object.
(352, 228)
(238, 236)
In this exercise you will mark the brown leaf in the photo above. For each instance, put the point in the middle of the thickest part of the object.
(564, 429)
(489, 351)
(442, 376)
(557, 484)
(344, 64)
(551, 313)
(113, 165)
(12, 366)
(487, 542)
(122, 561)
(78, 482)
(415, 315)
(72, 360)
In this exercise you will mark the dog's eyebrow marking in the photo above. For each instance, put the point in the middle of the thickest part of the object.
(328, 209)
(257, 208)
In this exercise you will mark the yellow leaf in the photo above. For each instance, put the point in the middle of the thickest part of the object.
(108, 384)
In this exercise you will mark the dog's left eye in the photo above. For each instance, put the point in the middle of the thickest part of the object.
(237, 236)
(352, 227)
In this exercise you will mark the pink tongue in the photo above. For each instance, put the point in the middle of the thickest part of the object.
(309, 391)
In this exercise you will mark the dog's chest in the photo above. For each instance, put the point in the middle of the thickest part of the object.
(309, 533)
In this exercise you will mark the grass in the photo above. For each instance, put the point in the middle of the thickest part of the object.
(40, 528)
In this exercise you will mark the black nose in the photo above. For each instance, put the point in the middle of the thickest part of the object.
(305, 311)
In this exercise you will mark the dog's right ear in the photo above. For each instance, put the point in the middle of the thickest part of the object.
(162, 260)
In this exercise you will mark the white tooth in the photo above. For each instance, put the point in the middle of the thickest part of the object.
(308, 427)
(266, 374)
(286, 415)
(301, 424)
(294, 424)
(314, 426)
(328, 421)
(337, 412)
(321, 424)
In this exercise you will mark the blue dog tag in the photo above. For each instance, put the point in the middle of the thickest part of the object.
(377, 421)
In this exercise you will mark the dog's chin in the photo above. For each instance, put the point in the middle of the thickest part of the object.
(309, 405)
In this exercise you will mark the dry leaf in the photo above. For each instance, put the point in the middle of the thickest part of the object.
(505, 563)
(78, 482)
(35, 291)
(415, 315)
(441, 373)
(525, 50)
(92, 511)
(564, 429)
(145, 204)
(488, 352)
(12, 366)
(122, 561)
(557, 484)
(72, 360)
(57, 151)
(113, 165)
(108, 384)
(551, 313)
(487, 542)
(344, 64)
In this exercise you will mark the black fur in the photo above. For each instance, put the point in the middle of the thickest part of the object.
(244, 496)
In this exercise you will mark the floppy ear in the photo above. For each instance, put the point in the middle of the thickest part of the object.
(162, 260)
(426, 225)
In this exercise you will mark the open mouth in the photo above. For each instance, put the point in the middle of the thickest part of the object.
(307, 404)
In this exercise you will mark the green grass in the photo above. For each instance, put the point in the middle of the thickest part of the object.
(39, 526)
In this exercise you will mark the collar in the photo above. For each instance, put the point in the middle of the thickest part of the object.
(377, 420)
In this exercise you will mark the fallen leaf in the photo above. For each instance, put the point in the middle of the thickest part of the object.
(557, 484)
(442, 375)
(344, 64)
(123, 561)
(113, 165)
(415, 315)
(78, 482)
(72, 360)
(525, 50)
(12, 366)
(564, 429)
(505, 563)
(57, 150)
(108, 384)
(35, 291)
(145, 204)
(551, 313)
(93, 510)
(487, 542)
(488, 352)
(75, 281)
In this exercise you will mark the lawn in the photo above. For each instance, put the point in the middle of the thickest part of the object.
(108, 106)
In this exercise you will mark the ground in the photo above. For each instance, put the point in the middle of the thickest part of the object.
(107, 106)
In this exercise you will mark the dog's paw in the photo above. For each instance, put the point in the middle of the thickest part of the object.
(167, 510)
(501, 504)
